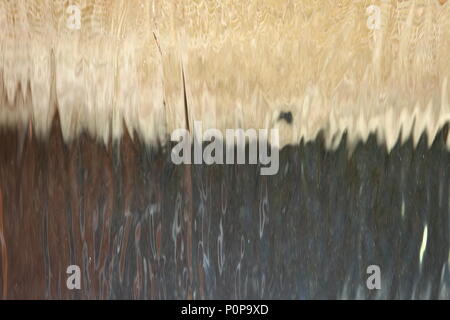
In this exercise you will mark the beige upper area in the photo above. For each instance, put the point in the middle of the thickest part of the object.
(332, 63)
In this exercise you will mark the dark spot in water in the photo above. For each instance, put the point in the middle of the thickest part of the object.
(286, 116)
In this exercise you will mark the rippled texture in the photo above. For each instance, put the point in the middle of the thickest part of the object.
(141, 227)
(86, 176)
(244, 63)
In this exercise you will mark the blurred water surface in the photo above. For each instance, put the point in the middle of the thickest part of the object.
(141, 227)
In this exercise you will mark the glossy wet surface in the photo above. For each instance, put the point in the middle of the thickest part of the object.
(139, 226)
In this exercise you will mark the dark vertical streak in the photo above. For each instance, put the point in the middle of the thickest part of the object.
(186, 108)
(3, 251)
(187, 190)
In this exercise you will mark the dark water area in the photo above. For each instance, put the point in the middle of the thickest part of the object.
(140, 227)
